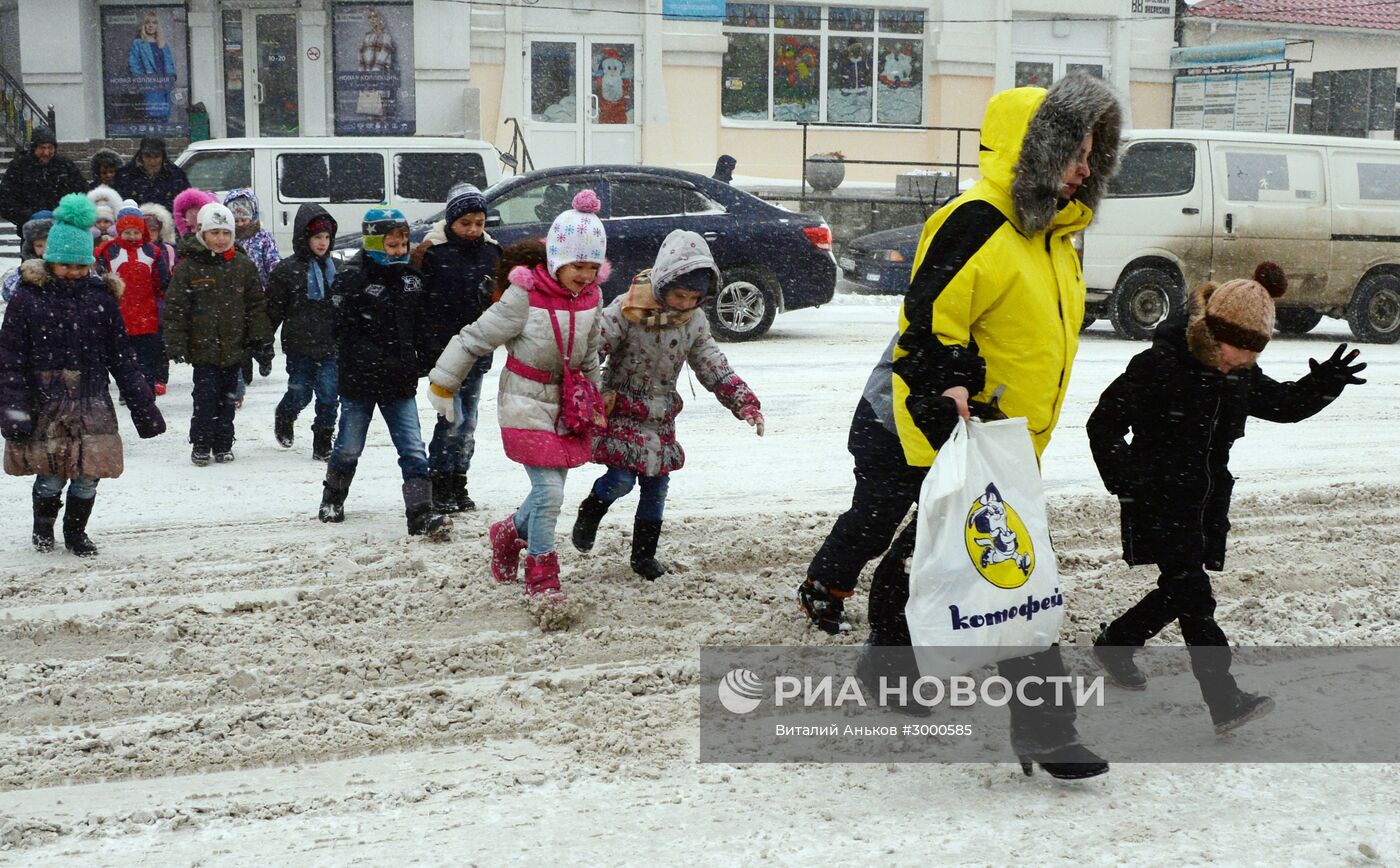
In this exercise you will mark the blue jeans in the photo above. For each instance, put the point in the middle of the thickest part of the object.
(454, 442)
(83, 488)
(402, 418)
(306, 376)
(537, 516)
(618, 481)
(215, 389)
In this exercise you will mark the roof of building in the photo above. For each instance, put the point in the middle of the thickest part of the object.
(1367, 14)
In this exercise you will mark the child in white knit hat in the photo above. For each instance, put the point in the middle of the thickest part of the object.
(549, 407)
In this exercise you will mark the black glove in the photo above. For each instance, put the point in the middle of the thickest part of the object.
(1338, 370)
(936, 416)
(262, 354)
(15, 435)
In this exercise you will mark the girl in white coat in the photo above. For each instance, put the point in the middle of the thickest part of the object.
(549, 317)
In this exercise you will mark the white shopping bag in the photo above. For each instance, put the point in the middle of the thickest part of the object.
(983, 583)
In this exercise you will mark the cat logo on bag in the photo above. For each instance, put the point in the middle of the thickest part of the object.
(997, 541)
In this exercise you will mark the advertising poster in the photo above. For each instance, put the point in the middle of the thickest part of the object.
(374, 69)
(145, 71)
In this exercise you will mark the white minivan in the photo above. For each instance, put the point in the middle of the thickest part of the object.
(343, 174)
(1193, 205)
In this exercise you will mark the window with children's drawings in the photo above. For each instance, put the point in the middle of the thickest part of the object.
(840, 64)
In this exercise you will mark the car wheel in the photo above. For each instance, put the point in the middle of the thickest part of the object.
(744, 307)
(1374, 312)
(1296, 320)
(1144, 297)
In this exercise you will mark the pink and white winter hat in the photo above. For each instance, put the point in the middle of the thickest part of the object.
(577, 235)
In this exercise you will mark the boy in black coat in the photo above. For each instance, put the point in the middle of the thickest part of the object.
(458, 275)
(381, 351)
(1186, 400)
(299, 300)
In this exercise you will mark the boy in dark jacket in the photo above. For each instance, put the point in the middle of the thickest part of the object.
(215, 319)
(299, 300)
(1186, 400)
(142, 268)
(458, 276)
(381, 352)
(61, 338)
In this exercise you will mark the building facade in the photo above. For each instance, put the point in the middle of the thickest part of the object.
(584, 81)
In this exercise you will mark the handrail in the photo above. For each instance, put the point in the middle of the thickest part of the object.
(21, 113)
(957, 165)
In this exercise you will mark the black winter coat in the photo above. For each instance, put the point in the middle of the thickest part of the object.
(1174, 479)
(454, 276)
(381, 339)
(29, 186)
(132, 182)
(308, 327)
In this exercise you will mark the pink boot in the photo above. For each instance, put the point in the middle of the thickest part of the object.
(542, 577)
(505, 550)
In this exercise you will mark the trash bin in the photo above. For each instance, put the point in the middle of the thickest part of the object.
(199, 123)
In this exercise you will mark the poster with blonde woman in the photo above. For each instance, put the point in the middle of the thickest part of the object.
(144, 62)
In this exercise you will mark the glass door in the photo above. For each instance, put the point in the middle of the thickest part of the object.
(275, 86)
(611, 120)
(553, 101)
(582, 100)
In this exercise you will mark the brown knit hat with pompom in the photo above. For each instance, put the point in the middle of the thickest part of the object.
(1241, 312)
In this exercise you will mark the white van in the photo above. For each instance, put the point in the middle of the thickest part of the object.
(343, 174)
(1192, 205)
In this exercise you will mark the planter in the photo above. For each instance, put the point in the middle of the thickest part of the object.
(825, 173)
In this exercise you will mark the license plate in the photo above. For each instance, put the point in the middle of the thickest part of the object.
(846, 263)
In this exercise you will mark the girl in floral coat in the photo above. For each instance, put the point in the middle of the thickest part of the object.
(648, 334)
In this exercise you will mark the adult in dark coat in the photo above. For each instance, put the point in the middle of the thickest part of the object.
(151, 177)
(35, 181)
(1185, 401)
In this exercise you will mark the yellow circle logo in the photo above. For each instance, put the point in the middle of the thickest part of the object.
(997, 541)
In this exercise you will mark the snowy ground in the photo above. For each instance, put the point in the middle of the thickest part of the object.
(232, 682)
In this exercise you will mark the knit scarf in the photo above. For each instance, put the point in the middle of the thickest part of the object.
(641, 307)
(319, 275)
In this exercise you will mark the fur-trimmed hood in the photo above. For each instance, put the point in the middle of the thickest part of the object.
(186, 199)
(1030, 134)
(35, 273)
(104, 195)
(167, 222)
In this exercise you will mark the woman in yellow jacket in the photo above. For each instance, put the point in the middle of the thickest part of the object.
(994, 306)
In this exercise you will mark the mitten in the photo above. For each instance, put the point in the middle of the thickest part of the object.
(262, 354)
(443, 401)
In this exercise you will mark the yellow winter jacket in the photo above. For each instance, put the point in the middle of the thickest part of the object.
(994, 301)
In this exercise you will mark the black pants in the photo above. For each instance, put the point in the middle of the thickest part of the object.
(150, 355)
(1183, 594)
(1034, 728)
(214, 390)
(885, 489)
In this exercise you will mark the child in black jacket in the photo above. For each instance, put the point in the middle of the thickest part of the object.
(458, 276)
(299, 300)
(381, 351)
(1186, 400)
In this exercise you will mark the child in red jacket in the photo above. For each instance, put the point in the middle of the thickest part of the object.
(132, 257)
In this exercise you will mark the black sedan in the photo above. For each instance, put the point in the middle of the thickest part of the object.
(880, 262)
(772, 259)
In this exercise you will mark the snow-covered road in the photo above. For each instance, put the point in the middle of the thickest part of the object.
(232, 682)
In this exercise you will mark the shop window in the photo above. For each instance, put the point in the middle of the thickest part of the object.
(220, 170)
(426, 177)
(777, 55)
(1155, 169)
(333, 177)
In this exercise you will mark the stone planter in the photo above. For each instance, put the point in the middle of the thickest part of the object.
(825, 173)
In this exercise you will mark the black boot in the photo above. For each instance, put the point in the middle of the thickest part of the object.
(590, 512)
(444, 497)
(824, 607)
(1117, 662)
(1244, 708)
(75, 519)
(459, 490)
(1070, 763)
(45, 514)
(333, 492)
(423, 518)
(282, 430)
(320, 445)
(644, 537)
